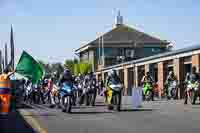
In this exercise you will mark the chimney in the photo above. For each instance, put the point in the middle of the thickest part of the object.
(119, 19)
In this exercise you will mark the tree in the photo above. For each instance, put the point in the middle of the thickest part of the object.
(57, 69)
(54, 69)
(77, 67)
(70, 64)
(82, 68)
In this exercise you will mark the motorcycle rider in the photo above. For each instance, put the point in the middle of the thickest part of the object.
(112, 77)
(65, 78)
(147, 78)
(79, 83)
(50, 87)
(28, 91)
(193, 77)
(89, 83)
(170, 78)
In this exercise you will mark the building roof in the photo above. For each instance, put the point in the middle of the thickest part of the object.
(171, 53)
(126, 34)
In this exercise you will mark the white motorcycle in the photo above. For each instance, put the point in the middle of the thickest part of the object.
(172, 90)
(114, 96)
(192, 92)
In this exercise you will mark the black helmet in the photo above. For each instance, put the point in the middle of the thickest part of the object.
(91, 73)
(147, 73)
(194, 69)
(66, 73)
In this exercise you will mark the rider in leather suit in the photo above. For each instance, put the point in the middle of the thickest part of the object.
(193, 77)
(66, 78)
(112, 77)
(147, 78)
(170, 78)
(89, 83)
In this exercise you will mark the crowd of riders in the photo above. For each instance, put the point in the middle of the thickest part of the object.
(44, 91)
(87, 87)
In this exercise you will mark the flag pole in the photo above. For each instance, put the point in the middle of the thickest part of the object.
(12, 48)
(6, 55)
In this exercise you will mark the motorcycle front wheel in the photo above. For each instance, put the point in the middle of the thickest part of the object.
(173, 93)
(116, 101)
(149, 95)
(67, 104)
(193, 97)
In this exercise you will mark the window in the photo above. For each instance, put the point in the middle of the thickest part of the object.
(84, 56)
(130, 53)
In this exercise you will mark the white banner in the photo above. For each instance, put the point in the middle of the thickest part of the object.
(137, 97)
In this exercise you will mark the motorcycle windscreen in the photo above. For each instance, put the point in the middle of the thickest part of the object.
(65, 89)
(114, 82)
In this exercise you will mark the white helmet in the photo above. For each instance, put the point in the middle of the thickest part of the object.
(113, 73)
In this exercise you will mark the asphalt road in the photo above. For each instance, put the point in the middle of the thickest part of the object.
(14, 123)
(153, 117)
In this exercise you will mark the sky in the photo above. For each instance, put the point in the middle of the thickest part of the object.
(51, 30)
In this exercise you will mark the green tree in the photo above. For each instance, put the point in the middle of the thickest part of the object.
(54, 69)
(77, 67)
(71, 64)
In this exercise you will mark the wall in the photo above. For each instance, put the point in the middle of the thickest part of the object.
(131, 74)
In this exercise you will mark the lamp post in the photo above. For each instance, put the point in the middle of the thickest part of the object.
(103, 57)
(134, 56)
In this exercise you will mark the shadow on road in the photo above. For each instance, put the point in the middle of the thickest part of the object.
(135, 110)
(14, 123)
(24, 106)
(84, 107)
(101, 105)
(92, 113)
(38, 115)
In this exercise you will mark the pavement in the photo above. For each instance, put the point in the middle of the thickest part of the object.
(153, 117)
(14, 123)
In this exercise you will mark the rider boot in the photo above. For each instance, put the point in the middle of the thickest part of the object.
(186, 97)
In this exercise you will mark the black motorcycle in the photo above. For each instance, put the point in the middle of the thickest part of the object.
(90, 94)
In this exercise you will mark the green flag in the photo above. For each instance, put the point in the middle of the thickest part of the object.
(29, 68)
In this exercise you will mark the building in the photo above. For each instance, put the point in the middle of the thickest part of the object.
(180, 61)
(121, 44)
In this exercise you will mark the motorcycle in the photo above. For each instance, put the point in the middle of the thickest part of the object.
(56, 95)
(192, 92)
(91, 94)
(172, 90)
(114, 96)
(147, 92)
(66, 93)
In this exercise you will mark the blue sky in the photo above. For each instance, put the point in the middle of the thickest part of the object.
(52, 29)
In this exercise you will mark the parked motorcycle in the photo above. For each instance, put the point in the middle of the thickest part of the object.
(114, 96)
(66, 93)
(148, 92)
(192, 92)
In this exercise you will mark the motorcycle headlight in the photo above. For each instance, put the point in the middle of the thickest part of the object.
(69, 90)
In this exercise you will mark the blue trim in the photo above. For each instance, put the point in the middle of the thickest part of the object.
(5, 91)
